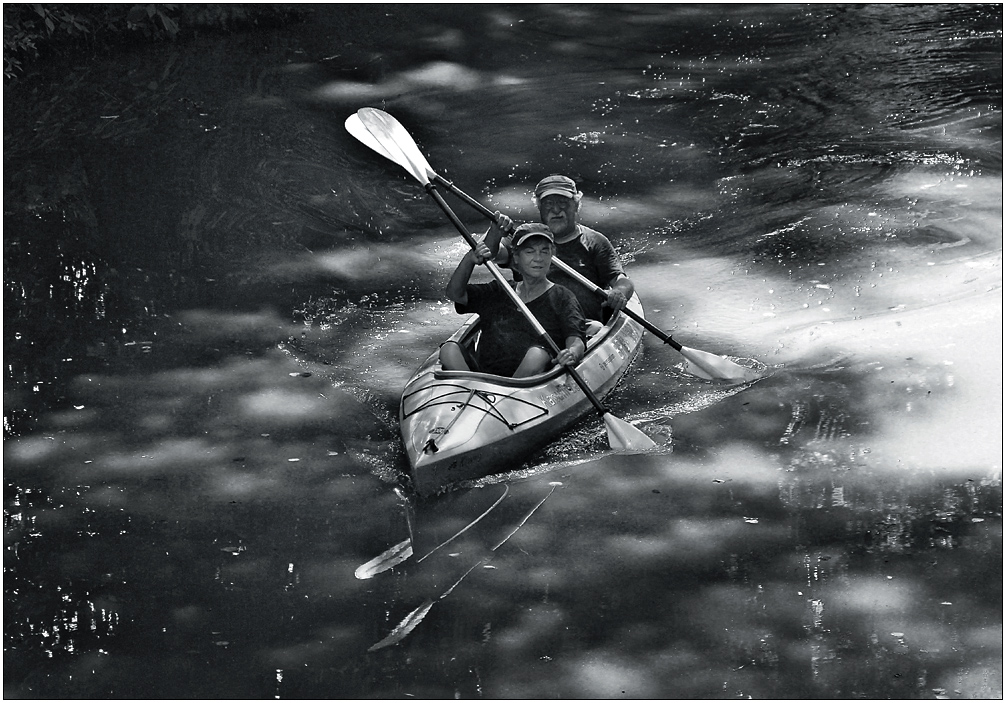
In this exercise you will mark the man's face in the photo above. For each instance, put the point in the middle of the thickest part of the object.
(558, 213)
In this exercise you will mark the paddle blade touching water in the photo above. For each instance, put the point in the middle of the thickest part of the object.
(623, 436)
(713, 367)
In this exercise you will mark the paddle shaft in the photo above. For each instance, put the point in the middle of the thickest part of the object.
(562, 265)
(577, 276)
(498, 275)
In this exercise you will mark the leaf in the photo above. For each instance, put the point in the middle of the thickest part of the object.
(404, 627)
(170, 26)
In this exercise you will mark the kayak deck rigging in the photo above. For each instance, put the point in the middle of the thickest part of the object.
(447, 394)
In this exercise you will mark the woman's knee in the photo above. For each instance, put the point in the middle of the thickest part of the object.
(452, 358)
(535, 360)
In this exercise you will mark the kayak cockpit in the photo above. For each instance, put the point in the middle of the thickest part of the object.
(468, 336)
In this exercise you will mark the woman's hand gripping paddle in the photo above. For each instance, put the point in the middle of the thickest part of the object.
(385, 135)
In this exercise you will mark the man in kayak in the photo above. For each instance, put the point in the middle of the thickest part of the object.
(585, 250)
(508, 345)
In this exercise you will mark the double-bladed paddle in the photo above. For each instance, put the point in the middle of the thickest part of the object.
(385, 135)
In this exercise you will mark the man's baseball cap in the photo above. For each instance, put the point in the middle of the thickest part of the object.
(555, 185)
(531, 229)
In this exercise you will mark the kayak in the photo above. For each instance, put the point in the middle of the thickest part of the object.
(462, 425)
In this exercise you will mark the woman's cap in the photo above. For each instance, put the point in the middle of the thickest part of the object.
(531, 229)
(555, 185)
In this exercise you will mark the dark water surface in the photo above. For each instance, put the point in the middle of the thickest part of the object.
(213, 296)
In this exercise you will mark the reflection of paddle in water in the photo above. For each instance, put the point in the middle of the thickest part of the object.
(506, 489)
(405, 626)
(403, 550)
(409, 623)
(389, 558)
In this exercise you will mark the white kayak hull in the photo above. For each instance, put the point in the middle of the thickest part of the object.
(459, 425)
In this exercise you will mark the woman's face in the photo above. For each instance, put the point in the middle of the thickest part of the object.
(534, 258)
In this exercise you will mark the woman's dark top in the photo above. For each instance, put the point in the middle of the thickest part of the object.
(506, 333)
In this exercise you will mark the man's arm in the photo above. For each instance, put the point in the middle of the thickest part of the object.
(620, 292)
(617, 286)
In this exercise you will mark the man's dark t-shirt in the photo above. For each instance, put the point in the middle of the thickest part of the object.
(506, 333)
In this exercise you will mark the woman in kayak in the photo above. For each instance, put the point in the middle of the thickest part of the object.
(508, 345)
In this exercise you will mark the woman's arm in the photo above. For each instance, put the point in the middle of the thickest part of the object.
(573, 352)
(573, 327)
(495, 234)
(457, 287)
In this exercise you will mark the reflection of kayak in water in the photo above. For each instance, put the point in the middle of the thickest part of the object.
(453, 536)
(460, 425)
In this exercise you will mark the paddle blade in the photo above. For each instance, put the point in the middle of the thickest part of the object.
(356, 127)
(713, 367)
(377, 135)
(625, 437)
(396, 140)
